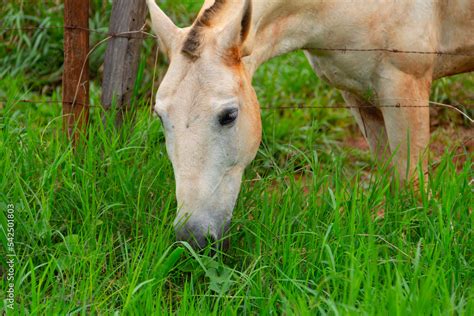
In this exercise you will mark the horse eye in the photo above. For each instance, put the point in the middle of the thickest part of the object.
(228, 116)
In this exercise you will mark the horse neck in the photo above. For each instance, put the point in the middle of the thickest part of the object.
(281, 26)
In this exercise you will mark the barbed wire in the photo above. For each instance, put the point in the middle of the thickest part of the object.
(5, 101)
(394, 51)
(343, 50)
(302, 107)
(431, 104)
(131, 34)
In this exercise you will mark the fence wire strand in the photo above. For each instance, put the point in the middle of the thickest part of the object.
(149, 35)
(130, 34)
(432, 104)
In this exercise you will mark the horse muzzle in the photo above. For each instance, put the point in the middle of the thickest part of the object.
(201, 232)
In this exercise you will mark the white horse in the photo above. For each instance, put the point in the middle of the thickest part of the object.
(210, 111)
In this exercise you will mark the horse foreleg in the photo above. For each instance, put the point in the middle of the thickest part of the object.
(404, 101)
(371, 123)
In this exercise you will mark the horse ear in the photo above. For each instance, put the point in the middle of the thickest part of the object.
(237, 30)
(163, 27)
(246, 22)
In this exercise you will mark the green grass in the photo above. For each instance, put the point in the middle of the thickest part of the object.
(94, 225)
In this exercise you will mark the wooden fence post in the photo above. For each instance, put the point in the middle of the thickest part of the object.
(76, 66)
(123, 54)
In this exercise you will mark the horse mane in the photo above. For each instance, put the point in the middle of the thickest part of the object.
(192, 44)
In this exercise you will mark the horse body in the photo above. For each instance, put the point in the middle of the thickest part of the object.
(357, 46)
(384, 77)
(281, 26)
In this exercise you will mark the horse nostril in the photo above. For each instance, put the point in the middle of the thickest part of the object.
(192, 233)
(200, 236)
(197, 240)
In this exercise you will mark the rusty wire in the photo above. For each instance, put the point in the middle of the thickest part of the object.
(333, 49)
(295, 107)
(123, 35)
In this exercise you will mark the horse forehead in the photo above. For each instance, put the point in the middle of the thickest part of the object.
(182, 70)
(196, 86)
(203, 78)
